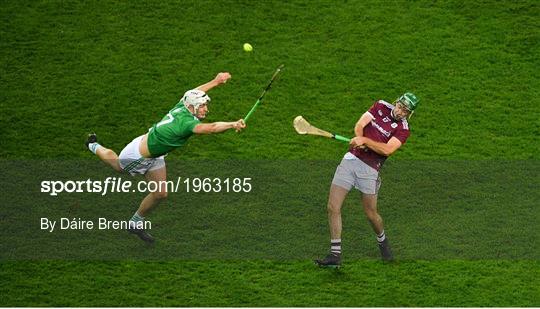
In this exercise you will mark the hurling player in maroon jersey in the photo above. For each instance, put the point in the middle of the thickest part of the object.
(379, 133)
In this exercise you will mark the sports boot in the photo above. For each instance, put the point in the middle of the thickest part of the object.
(92, 138)
(142, 234)
(331, 261)
(386, 253)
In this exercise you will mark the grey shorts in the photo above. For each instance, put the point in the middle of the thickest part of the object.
(355, 173)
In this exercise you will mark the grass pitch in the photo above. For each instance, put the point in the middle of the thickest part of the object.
(264, 283)
(116, 68)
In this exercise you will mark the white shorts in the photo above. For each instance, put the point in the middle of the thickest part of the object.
(133, 162)
(353, 172)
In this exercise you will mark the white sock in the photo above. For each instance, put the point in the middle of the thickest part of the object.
(335, 246)
(93, 147)
(381, 237)
(136, 220)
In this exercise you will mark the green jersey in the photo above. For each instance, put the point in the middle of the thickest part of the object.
(172, 131)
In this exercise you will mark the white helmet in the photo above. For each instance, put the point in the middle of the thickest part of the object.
(195, 98)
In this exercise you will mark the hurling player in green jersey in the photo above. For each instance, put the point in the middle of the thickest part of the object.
(145, 154)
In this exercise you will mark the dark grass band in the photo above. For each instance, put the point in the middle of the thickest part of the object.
(432, 210)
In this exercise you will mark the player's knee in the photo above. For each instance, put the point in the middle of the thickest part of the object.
(160, 195)
(333, 209)
(372, 214)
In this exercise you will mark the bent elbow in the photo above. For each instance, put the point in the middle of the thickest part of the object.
(389, 151)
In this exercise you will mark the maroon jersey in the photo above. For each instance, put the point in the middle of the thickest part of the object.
(381, 128)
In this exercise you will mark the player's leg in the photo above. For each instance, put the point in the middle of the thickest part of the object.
(158, 176)
(110, 157)
(335, 201)
(106, 155)
(369, 202)
(341, 185)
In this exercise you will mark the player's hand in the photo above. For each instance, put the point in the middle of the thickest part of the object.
(239, 125)
(358, 142)
(222, 78)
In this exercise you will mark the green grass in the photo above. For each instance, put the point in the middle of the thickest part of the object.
(116, 67)
(259, 283)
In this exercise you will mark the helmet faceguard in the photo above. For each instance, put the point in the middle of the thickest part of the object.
(195, 98)
(410, 101)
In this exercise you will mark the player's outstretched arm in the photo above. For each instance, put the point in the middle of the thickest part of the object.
(385, 149)
(221, 78)
(218, 127)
